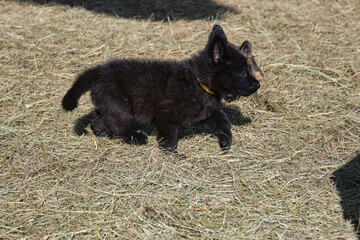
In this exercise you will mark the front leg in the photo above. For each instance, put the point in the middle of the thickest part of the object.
(166, 135)
(220, 124)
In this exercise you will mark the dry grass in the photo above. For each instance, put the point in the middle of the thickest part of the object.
(275, 183)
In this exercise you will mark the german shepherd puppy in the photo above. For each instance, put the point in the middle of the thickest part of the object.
(168, 94)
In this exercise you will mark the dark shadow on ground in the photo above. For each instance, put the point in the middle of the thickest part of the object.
(155, 10)
(347, 180)
(233, 112)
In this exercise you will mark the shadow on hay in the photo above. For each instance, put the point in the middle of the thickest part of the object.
(155, 10)
(233, 112)
(347, 180)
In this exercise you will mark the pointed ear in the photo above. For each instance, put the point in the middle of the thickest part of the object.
(254, 69)
(245, 49)
(216, 46)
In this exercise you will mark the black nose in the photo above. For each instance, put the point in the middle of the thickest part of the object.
(255, 86)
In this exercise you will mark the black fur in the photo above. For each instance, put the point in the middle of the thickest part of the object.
(167, 93)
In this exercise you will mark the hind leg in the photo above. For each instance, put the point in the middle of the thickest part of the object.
(97, 125)
(114, 117)
(116, 126)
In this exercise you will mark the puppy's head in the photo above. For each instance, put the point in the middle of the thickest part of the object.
(234, 69)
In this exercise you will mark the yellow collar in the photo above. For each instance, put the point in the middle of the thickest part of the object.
(204, 86)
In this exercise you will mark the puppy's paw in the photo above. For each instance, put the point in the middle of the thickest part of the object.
(100, 132)
(225, 142)
(138, 138)
(168, 149)
(172, 152)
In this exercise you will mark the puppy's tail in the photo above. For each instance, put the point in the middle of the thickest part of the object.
(82, 84)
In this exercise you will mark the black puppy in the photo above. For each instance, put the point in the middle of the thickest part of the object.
(169, 94)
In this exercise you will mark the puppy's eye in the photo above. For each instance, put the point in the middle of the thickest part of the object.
(242, 74)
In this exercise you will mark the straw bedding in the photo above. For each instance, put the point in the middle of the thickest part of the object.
(292, 172)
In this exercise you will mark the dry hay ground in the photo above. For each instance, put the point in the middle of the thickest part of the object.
(292, 173)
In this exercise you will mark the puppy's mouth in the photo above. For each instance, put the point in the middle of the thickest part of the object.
(233, 96)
